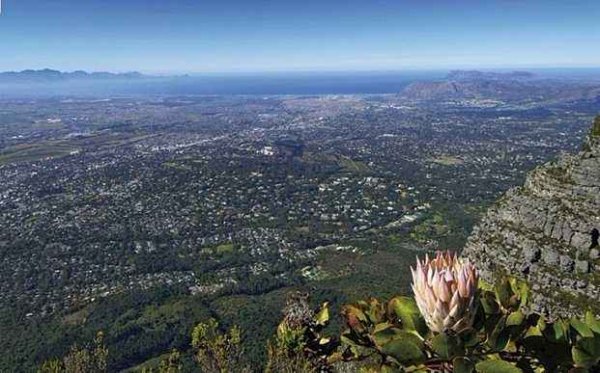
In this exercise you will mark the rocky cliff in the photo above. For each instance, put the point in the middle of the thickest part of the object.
(547, 233)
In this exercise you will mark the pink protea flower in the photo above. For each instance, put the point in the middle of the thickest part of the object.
(445, 289)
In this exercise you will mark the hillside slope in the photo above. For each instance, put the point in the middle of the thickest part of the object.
(547, 232)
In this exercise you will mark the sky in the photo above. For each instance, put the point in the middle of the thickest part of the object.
(212, 36)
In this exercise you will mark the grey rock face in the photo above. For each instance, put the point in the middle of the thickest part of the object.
(546, 232)
(551, 257)
(532, 254)
(566, 263)
(582, 266)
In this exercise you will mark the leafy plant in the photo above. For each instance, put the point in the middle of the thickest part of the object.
(299, 345)
(218, 352)
(498, 337)
(86, 359)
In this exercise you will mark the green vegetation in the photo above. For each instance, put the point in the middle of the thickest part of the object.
(35, 152)
(216, 351)
(353, 166)
(595, 131)
(225, 248)
(503, 337)
(384, 337)
(447, 160)
(90, 358)
(140, 326)
(448, 225)
(432, 226)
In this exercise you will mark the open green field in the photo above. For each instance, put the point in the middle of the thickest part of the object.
(447, 160)
(37, 151)
(59, 148)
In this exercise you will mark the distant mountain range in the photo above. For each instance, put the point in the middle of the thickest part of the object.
(488, 75)
(49, 75)
(510, 86)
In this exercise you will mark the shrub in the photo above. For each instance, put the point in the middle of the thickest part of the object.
(86, 359)
(299, 345)
(405, 335)
(217, 352)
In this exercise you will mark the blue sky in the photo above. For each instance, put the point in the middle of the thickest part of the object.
(195, 36)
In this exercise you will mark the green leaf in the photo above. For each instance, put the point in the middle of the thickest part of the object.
(484, 285)
(383, 333)
(587, 352)
(480, 316)
(322, 317)
(374, 311)
(547, 351)
(512, 293)
(556, 332)
(505, 293)
(500, 336)
(533, 331)
(324, 340)
(353, 310)
(581, 328)
(462, 365)
(470, 338)
(521, 289)
(541, 323)
(404, 351)
(515, 318)
(560, 330)
(350, 340)
(355, 318)
(592, 322)
(387, 368)
(496, 366)
(446, 346)
(489, 302)
(406, 310)
(384, 336)
(382, 326)
(501, 340)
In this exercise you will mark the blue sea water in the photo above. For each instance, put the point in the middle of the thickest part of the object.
(299, 83)
(293, 83)
(232, 84)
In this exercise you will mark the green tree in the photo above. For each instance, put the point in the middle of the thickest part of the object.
(216, 351)
(80, 359)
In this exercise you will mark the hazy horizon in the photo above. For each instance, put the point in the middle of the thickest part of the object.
(538, 71)
(312, 71)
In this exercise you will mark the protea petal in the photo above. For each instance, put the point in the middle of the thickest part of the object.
(445, 288)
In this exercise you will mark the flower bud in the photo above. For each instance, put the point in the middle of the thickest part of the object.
(445, 290)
